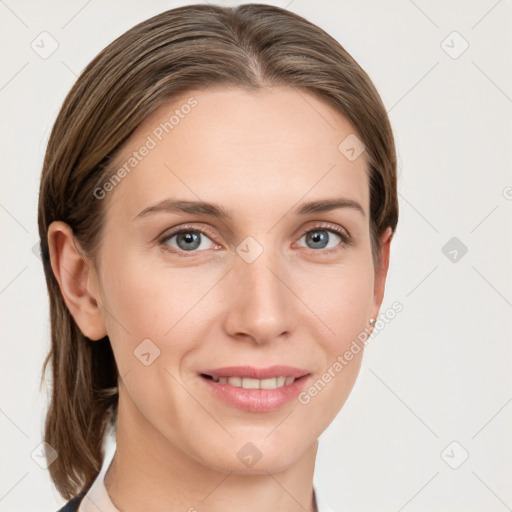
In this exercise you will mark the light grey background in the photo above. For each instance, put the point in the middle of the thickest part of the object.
(440, 372)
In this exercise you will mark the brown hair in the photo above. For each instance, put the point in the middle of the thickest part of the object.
(248, 46)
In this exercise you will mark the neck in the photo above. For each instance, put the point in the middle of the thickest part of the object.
(149, 472)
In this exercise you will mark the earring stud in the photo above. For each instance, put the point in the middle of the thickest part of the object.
(372, 321)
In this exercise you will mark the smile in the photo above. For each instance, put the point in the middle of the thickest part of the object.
(255, 389)
(248, 383)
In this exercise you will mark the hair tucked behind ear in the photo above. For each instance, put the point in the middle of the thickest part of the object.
(249, 46)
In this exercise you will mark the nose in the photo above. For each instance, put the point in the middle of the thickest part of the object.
(259, 301)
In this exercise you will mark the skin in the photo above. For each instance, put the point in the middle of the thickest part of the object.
(258, 155)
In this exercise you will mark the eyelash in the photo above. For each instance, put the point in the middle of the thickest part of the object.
(346, 239)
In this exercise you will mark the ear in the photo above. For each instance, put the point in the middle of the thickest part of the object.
(77, 279)
(381, 271)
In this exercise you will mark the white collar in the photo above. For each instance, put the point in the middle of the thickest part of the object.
(97, 498)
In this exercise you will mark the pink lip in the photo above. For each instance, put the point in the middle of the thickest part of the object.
(256, 400)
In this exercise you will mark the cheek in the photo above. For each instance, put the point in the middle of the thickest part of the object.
(341, 298)
(136, 293)
(342, 301)
(148, 299)
(349, 310)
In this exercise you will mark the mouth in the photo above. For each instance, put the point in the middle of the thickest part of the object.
(253, 389)
(248, 383)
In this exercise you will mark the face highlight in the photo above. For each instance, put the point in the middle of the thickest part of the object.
(240, 238)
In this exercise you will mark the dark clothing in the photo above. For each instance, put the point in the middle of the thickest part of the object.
(73, 504)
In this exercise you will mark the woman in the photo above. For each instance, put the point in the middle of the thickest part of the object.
(216, 209)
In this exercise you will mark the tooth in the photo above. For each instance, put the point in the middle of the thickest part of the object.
(235, 381)
(268, 383)
(248, 383)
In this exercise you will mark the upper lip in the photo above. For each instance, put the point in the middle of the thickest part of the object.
(257, 373)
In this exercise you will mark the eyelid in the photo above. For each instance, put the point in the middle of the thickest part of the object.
(329, 225)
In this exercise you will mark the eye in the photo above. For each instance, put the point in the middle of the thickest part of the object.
(323, 238)
(187, 240)
(326, 237)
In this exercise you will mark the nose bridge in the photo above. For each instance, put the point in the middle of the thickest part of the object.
(260, 303)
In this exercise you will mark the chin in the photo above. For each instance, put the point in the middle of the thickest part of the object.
(255, 455)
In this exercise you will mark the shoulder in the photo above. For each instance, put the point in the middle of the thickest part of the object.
(73, 504)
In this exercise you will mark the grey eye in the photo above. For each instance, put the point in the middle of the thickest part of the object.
(188, 240)
(320, 238)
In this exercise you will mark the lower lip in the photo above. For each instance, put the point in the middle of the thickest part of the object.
(256, 400)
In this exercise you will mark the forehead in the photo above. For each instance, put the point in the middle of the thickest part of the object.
(228, 145)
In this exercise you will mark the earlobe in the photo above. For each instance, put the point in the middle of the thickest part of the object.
(73, 271)
(381, 270)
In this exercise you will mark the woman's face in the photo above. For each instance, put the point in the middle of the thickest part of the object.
(270, 282)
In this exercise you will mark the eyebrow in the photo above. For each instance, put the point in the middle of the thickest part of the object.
(217, 211)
